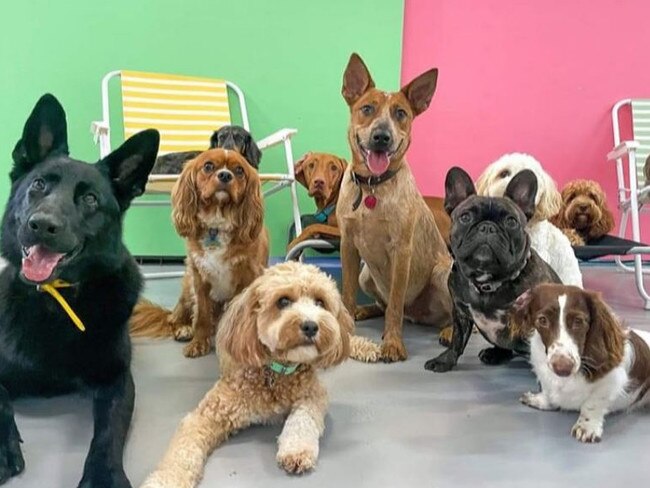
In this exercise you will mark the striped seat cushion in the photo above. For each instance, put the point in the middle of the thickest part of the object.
(641, 130)
(185, 110)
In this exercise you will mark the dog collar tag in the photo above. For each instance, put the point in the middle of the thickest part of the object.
(370, 201)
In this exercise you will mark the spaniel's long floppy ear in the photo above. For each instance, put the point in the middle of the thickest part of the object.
(237, 333)
(185, 203)
(299, 169)
(458, 187)
(248, 214)
(550, 200)
(605, 224)
(605, 342)
(521, 323)
(356, 80)
(252, 153)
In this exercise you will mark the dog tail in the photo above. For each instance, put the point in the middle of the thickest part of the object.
(150, 320)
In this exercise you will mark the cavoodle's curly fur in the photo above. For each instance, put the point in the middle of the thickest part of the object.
(271, 320)
(584, 214)
(549, 241)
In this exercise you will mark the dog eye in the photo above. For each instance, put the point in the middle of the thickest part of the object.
(208, 167)
(512, 223)
(38, 184)
(578, 322)
(283, 302)
(465, 218)
(319, 303)
(504, 174)
(367, 110)
(239, 171)
(334, 167)
(541, 321)
(90, 199)
(400, 113)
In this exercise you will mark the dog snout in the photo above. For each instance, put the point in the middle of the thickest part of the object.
(380, 139)
(224, 176)
(583, 207)
(309, 328)
(44, 225)
(319, 182)
(487, 228)
(562, 365)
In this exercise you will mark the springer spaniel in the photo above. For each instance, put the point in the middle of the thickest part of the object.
(582, 356)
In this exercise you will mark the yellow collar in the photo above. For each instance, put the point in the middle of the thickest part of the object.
(51, 288)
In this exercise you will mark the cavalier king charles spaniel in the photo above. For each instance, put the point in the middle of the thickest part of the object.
(584, 214)
(217, 208)
(583, 358)
(274, 336)
(549, 241)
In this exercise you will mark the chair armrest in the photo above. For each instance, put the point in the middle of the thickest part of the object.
(276, 138)
(98, 128)
(622, 149)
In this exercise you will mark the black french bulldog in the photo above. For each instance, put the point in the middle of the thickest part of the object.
(227, 137)
(493, 265)
(62, 239)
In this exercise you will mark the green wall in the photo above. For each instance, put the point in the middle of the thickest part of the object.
(287, 55)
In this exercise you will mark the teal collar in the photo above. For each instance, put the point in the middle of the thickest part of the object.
(212, 238)
(324, 214)
(283, 369)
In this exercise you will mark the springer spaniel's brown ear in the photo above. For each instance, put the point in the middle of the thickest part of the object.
(521, 323)
(185, 203)
(605, 341)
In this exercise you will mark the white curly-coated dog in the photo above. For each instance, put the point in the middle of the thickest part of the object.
(549, 241)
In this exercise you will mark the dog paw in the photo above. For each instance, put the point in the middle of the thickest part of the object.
(587, 430)
(160, 479)
(494, 356)
(536, 400)
(364, 350)
(11, 456)
(183, 333)
(445, 335)
(366, 312)
(393, 351)
(197, 348)
(443, 363)
(297, 462)
(104, 477)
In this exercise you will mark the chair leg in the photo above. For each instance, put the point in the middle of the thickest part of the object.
(640, 285)
(294, 191)
(622, 229)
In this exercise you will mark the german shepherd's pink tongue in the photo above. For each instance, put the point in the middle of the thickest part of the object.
(378, 162)
(39, 263)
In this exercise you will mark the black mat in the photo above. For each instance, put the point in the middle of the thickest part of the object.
(605, 246)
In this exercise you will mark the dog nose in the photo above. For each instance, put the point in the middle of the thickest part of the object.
(224, 176)
(487, 228)
(309, 328)
(381, 138)
(44, 225)
(319, 182)
(583, 207)
(562, 365)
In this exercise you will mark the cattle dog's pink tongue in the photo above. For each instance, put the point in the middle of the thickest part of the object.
(39, 263)
(378, 162)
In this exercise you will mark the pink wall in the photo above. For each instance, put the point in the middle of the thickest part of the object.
(530, 76)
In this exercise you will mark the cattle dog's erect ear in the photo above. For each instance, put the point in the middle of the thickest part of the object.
(356, 80)
(45, 133)
(458, 188)
(522, 190)
(419, 92)
(129, 165)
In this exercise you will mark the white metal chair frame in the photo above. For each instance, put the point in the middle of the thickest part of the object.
(101, 132)
(628, 198)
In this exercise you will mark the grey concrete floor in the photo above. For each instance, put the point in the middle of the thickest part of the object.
(389, 425)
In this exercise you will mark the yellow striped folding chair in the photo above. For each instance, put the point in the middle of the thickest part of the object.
(186, 110)
(633, 187)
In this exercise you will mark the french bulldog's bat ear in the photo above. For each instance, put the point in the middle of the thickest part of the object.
(522, 190)
(458, 187)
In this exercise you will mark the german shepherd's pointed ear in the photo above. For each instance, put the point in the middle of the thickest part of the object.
(522, 190)
(45, 133)
(128, 167)
(356, 80)
(419, 92)
(458, 188)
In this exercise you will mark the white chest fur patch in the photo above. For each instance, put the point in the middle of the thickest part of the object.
(217, 271)
(490, 327)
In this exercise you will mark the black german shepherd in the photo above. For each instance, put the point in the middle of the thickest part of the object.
(62, 238)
